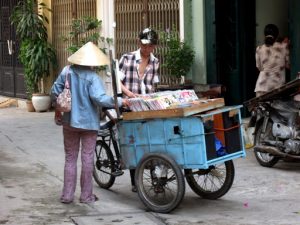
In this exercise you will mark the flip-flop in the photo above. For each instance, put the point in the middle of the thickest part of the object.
(65, 201)
(95, 199)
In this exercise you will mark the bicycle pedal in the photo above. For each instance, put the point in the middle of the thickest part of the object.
(117, 173)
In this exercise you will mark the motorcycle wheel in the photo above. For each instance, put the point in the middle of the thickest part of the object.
(265, 159)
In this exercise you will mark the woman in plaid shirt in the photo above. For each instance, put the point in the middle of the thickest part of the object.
(138, 71)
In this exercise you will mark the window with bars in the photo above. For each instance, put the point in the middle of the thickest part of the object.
(63, 11)
(132, 16)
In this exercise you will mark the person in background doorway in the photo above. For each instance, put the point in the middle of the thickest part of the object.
(80, 126)
(272, 60)
(138, 71)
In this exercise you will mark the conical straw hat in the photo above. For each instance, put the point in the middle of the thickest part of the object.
(89, 55)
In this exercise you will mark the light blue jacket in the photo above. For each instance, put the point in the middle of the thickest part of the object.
(88, 94)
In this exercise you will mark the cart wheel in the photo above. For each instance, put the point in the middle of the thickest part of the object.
(160, 182)
(211, 183)
(104, 165)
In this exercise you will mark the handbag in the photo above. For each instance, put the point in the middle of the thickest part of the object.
(64, 100)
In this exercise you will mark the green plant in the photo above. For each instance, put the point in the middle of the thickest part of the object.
(36, 53)
(86, 29)
(179, 55)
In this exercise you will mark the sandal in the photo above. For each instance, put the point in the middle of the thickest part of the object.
(66, 201)
(95, 199)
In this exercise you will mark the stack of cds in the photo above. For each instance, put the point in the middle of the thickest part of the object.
(162, 100)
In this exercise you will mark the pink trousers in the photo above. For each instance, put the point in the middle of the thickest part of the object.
(73, 137)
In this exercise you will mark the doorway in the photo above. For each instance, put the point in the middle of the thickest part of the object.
(12, 82)
(272, 12)
(231, 47)
(294, 36)
(233, 30)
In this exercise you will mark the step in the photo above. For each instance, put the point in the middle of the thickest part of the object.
(6, 102)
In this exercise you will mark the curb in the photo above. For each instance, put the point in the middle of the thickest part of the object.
(6, 102)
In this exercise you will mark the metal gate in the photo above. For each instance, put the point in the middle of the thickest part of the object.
(63, 11)
(131, 17)
(11, 70)
(134, 15)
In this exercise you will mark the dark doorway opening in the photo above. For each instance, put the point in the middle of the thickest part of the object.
(11, 70)
(232, 47)
(294, 35)
(234, 28)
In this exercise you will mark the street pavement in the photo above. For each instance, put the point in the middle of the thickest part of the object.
(31, 176)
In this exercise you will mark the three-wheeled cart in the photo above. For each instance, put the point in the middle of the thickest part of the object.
(181, 143)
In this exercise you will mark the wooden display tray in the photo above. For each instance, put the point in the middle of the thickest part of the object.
(201, 106)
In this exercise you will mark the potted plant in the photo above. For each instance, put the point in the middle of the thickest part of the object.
(86, 29)
(179, 55)
(36, 54)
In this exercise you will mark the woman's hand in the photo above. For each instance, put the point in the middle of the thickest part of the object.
(286, 40)
(58, 117)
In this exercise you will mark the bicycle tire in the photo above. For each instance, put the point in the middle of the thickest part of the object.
(162, 193)
(204, 182)
(103, 165)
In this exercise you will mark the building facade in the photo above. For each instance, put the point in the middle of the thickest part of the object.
(223, 33)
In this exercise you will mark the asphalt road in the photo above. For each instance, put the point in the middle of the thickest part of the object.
(31, 175)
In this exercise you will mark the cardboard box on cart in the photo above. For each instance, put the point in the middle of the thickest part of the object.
(227, 130)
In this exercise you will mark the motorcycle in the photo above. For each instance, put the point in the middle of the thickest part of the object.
(276, 121)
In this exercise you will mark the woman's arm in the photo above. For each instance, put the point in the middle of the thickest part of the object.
(257, 59)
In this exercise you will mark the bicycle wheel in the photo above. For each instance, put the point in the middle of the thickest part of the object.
(160, 182)
(104, 165)
(211, 183)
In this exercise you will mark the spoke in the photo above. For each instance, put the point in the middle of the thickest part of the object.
(212, 181)
(170, 189)
(165, 188)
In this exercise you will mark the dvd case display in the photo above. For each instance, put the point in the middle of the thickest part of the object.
(162, 100)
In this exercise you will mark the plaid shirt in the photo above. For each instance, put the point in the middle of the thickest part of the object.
(128, 70)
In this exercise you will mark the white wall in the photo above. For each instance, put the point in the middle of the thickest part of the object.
(105, 13)
(271, 11)
(199, 44)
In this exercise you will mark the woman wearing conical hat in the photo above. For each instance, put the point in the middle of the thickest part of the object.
(81, 124)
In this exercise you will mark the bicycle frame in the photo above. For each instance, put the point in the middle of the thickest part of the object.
(110, 138)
